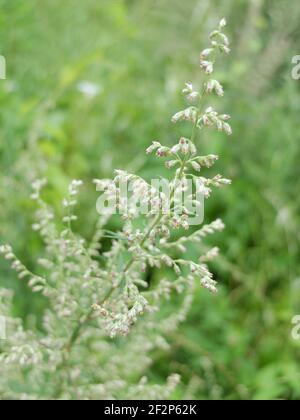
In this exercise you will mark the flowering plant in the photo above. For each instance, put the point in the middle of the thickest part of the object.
(96, 296)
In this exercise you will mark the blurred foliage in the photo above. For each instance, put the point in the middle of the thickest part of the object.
(139, 53)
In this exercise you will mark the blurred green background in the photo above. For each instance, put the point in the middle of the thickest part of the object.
(90, 84)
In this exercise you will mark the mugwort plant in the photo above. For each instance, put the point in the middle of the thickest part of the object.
(2, 67)
(103, 318)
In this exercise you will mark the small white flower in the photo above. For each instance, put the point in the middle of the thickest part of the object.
(193, 96)
(89, 89)
(171, 164)
(227, 129)
(175, 149)
(205, 53)
(196, 166)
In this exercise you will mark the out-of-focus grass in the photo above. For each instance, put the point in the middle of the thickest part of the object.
(139, 54)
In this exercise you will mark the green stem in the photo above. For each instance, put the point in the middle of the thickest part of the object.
(183, 163)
